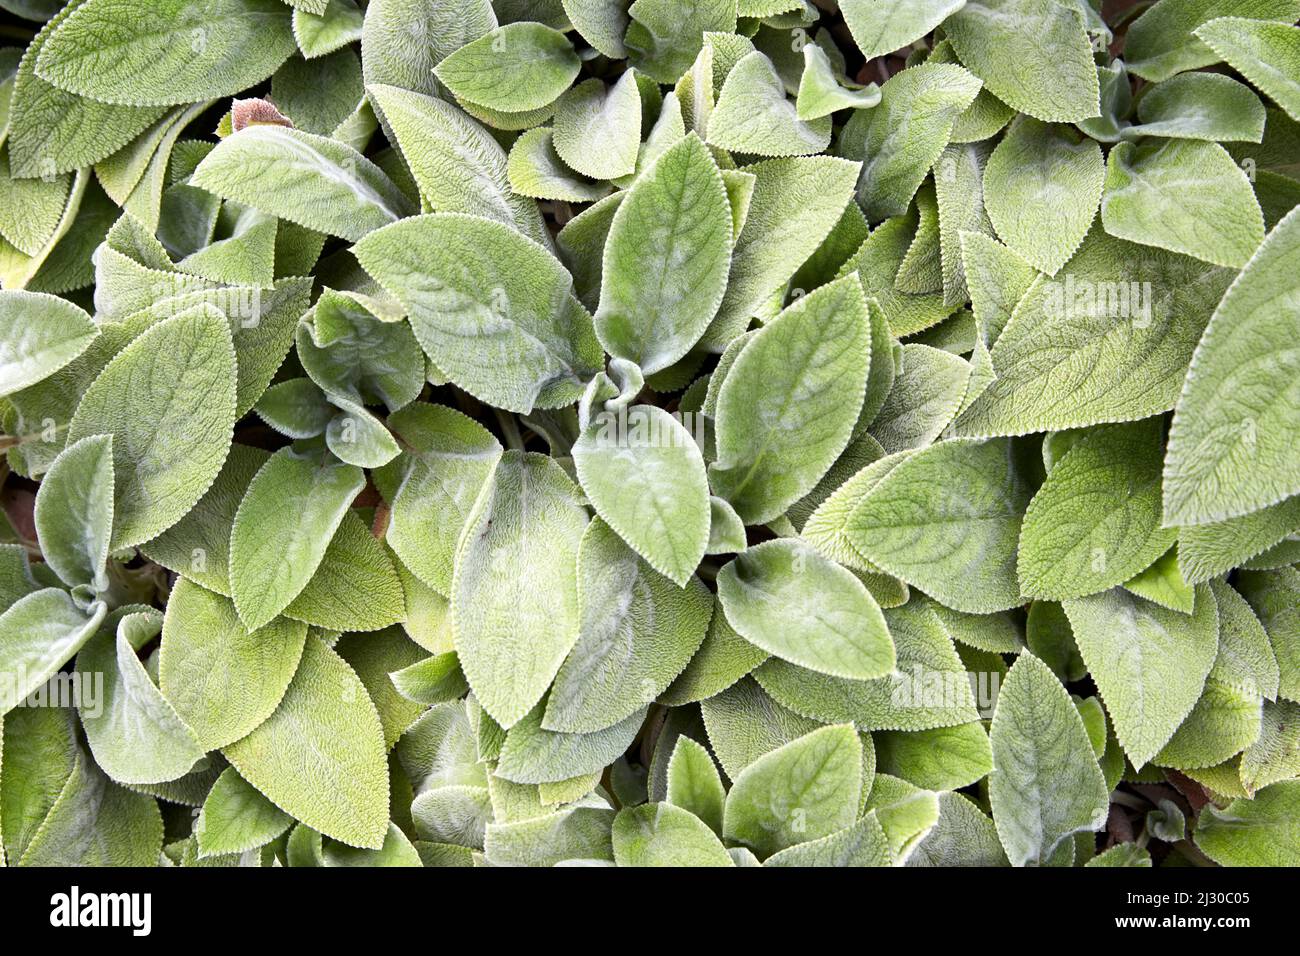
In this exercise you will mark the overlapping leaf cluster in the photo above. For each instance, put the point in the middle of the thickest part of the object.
(692, 432)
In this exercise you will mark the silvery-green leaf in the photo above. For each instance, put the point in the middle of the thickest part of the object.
(358, 357)
(1095, 522)
(959, 191)
(877, 263)
(602, 23)
(598, 128)
(17, 269)
(1285, 552)
(929, 688)
(1034, 55)
(694, 784)
(456, 815)
(1275, 597)
(30, 209)
(964, 836)
(1227, 717)
(820, 92)
(666, 259)
(1225, 721)
(1257, 832)
(319, 95)
(516, 67)
(581, 246)
(397, 850)
(1043, 185)
(942, 758)
(1149, 663)
(1223, 780)
(52, 131)
(571, 790)
(358, 438)
(1109, 340)
(41, 334)
(514, 598)
(921, 270)
(223, 679)
(1163, 583)
(1208, 550)
(667, 131)
(245, 258)
(724, 658)
(284, 524)
(39, 751)
(864, 844)
(198, 546)
(447, 459)
(166, 52)
(168, 400)
(947, 520)
(475, 288)
(1275, 755)
(373, 657)
(805, 790)
(574, 833)
(726, 530)
(1267, 54)
(991, 633)
(662, 834)
(434, 680)
(793, 602)
(1122, 854)
(1116, 104)
(906, 813)
(296, 408)
(780, 425)
(440, 749)
(535, 170)
(1246, 657)
(644, 474)
(985, 117)
(1183, 195)
(135, 734)
(1045, 785)
(16, 577)
(796, 203)
(236, 818)
(925, 396)
(899, 139)
(319, 34)
(311, 180)
(1163, 40)
(638, 630)
(320, 756)
(1205, 106)
(861, 452)
(883, 26)
(95, 822)
(507, 122)
(997, 280)
(753, 114)
(403, 40)
(261, 324)
(1229, 458)
(665, 36)
(744, 723)
(74, 512)
(356, 586)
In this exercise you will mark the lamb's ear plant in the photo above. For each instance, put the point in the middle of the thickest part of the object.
(729, 433)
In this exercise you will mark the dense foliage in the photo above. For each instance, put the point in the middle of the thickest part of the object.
(704, 432)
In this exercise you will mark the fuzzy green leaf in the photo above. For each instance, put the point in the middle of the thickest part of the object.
(1228, 458)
